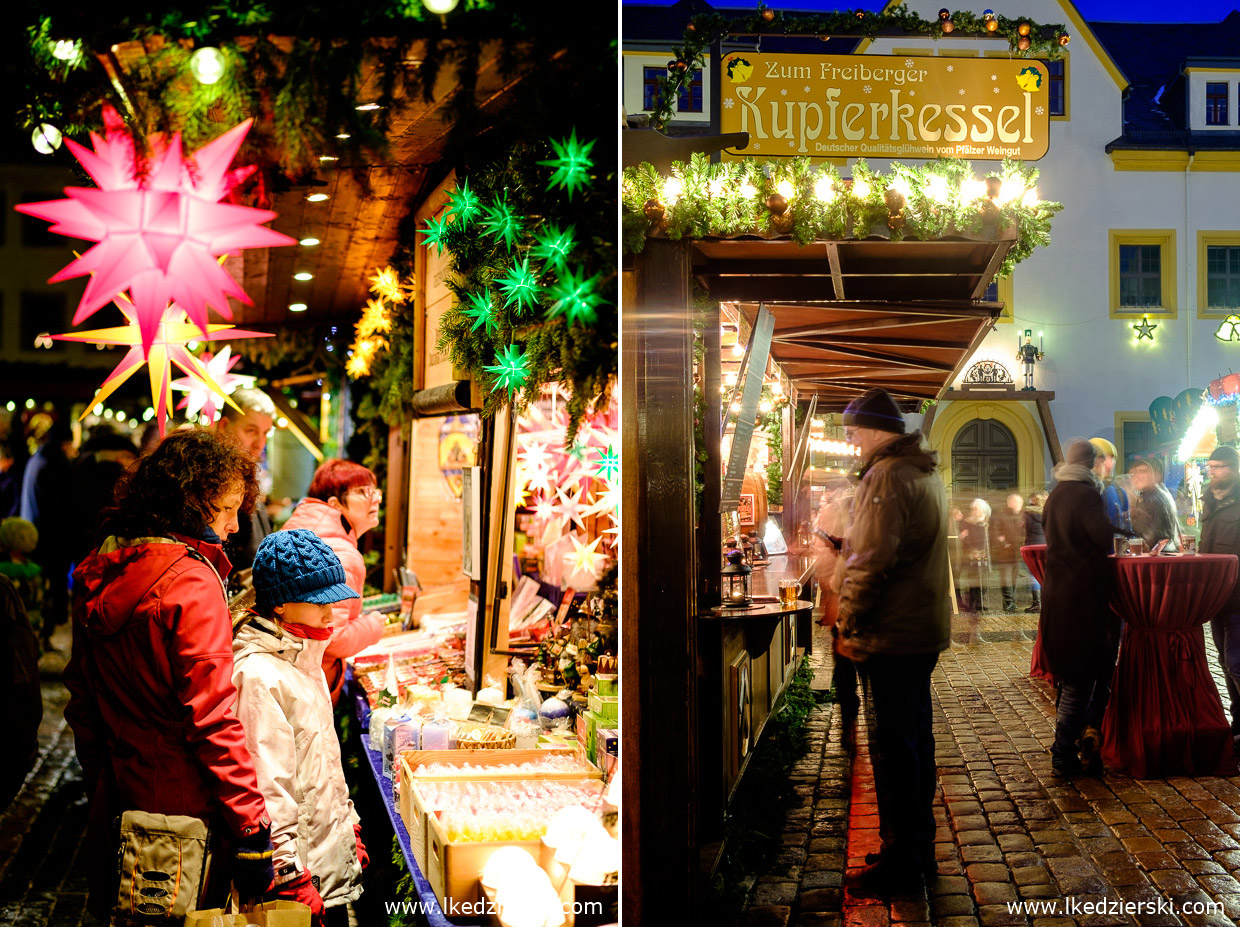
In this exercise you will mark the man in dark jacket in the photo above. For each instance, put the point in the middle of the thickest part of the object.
(1153, 509)
(1079, 632)
(894, 620)
(1220, 534)
(46, 505)
(1007, 528)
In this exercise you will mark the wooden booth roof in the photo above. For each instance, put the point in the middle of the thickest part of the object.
(853, 315)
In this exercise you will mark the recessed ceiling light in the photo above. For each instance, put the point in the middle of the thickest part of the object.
(297, 307)
(328, 158)
(317, 197)
(303, 275)
(309, 242)
(367, 107)
(344, 135)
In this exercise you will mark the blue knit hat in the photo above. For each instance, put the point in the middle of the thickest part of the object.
(297, 566)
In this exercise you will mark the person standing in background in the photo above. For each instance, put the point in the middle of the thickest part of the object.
(250, 429)
(1153, 509)
(1007, 531)
(46, 505)
(1220, 534)
(1114, 499)
(1035, 535)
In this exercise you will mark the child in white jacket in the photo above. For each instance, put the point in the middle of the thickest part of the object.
(284, 705)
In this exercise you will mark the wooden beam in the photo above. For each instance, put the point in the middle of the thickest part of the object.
(837, 275)
(892, 359)
(1048, 426)
(1016, 395)
(992, 268)
(298, 424)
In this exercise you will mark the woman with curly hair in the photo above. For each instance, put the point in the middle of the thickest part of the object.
(150, 676)
(341, 505)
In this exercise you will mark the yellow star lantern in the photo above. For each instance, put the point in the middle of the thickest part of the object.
(167, 347)
(387, 284)
(585, 558)
(374, 321)
(364, 351)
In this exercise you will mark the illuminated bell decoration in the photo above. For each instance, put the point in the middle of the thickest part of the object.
(1023, 43)
(207, 65)
(1229, 330)
(1023, 29)
(46, 138)
(653, 209)
(735, 589)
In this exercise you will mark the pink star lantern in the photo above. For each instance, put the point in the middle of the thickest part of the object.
(199, 397)
(570, 507)
(167, 347)
(159, 224)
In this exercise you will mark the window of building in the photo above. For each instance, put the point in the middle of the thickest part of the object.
(1218, 273)
(690, 100)
(1057, 87)
(1142, 265)
(1136, 437)
(1000, 291)
(1216, 103)
(650, 86)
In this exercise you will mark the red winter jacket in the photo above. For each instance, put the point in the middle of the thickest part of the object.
(150, 684)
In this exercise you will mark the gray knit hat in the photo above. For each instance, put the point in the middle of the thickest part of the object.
(875, 409)
(1081, 452)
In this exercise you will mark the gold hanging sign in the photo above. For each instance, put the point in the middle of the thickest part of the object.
(872, 106)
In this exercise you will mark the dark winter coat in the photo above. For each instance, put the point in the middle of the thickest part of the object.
(1154, 517)
(895, 591)
(1033, 525)
(151, 691)
(1078, 629)
(20, 696)
(973, 543)
(1007, 534)
(1220, 532)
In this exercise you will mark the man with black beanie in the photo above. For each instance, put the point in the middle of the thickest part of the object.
(894, 620)
(1220, 534)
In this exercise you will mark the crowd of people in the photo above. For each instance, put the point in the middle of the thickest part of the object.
(189, 718)
(887, 594)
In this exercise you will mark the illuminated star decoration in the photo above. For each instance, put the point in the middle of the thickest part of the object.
(463, 204)
(586, 559)
(167, 347)
(199, 398)
(520, 286)
(1144, 328)
(570, 507)
(608, 465)
(534, 455)
(502, 223)
(386, 283)
(571, 163)
(606, 503)
(374, 321)
(436, 232)
(554, 246)
(158, 230)
(481, 311)
(544, 509)
(364, 352)
(512, 371)
(574, 297)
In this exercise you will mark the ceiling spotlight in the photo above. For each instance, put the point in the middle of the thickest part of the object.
(309, 242)
(297, 307)
(328, 158)
(343, 135)
(367, 107)
(317, 197)
(303, 275)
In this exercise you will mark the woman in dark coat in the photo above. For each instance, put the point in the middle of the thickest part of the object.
(1079, 632)
(1035, 535)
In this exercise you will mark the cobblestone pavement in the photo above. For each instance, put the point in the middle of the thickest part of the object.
(1086, 851)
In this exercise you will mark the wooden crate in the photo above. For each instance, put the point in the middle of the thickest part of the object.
(454, 870)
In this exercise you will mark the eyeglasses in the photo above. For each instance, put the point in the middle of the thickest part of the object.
(1211, 466)
(370, 494)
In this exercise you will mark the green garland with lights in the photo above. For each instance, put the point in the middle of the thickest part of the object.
(533, 273)
(1026, 38)
(792, 199)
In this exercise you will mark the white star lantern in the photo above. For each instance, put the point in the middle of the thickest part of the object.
(200, 399)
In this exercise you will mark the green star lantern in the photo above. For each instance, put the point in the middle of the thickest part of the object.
(571, 163)
(481, 311)
(520, 286)
(463, 204)
(502, 223)
(554, 246)
(608, 464)
(512, 371)
(435, 232)
(574, 297)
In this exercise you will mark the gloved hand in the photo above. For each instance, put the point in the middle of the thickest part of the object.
(362, 856)
(299, 889)
(251, 871)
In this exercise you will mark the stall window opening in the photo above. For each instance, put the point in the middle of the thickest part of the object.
(1140, 275)
(1216, 103)
(1222, 277)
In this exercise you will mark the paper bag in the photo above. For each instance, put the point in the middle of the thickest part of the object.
(278, 913)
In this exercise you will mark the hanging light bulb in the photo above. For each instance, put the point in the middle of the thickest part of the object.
(860, 189)
(748, 189)
(672, 190)
(824, 189)
(785, 189)
(738, 350)
(972, 189)
(440, 7)
(46, 138)
(1030, 199)
(207, 64)
(936, 188)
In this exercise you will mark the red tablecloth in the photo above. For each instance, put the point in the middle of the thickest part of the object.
(1165, 717)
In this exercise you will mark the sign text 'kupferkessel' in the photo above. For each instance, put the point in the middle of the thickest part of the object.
(853, 106)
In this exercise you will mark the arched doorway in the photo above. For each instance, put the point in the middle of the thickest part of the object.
(983, 457)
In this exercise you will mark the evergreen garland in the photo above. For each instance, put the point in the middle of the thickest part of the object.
(937, 199)
(1026, 38)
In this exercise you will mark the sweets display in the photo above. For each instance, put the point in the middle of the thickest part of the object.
(495, 811)
(552, 763)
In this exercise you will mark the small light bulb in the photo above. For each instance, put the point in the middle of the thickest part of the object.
(98, 410)
(748, 189)
(936, 188)
(672, 190)
(11, 406)
(824, 189)
(120, 416)
(282, 422)
(729, 378)
(343, 135)
(207, 65)
(972, 190)
(316, 197)
(30, 404)
(1030, 199)
(765, 405)
(736, 407)
(902, 186)
(66, 49)
(738, 350)
(785, 189)
(367, 107)
(328, 158)
(778, 388)
(860, 189)
(1011, 190)
(715, 187)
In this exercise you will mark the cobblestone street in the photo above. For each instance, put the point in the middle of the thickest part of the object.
(1008, 832)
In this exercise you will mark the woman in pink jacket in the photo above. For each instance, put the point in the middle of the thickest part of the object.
(341, 505)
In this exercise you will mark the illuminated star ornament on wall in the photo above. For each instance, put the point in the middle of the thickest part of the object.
(1144, 328)
(159, 226)
(168, 346)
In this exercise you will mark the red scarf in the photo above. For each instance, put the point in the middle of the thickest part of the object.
(305, 631)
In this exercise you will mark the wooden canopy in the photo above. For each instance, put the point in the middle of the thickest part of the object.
(855, 314)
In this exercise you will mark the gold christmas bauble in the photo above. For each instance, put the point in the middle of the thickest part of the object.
(777, 204)
(653, 209)
(1023, 29)
(768, 15)
(782, 223)
(1023, 43)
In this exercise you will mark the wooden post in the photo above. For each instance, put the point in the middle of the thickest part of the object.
(660, 761)
(396, 516)
(710, 528)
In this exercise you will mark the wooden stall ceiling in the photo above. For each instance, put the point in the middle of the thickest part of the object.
(435, 525)
(853, 315)
(357, 227)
